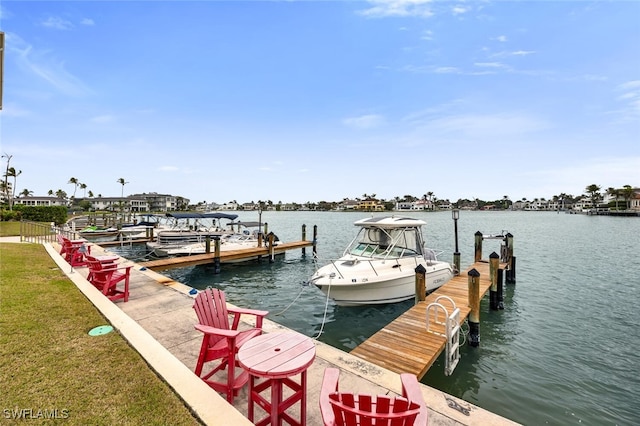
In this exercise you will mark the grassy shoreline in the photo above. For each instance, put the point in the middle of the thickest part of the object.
(51, 367)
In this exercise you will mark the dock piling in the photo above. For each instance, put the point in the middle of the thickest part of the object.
(478, 247)
(474, 304)
(456, 254)
(216, 255)
(512, 271)
(494, 266)
(421, 284)
(511, 261)
(315, 240)
(500, 289)
(304, 238)
(272, 254)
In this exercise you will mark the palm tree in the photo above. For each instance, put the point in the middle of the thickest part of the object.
(614, 193)
(594, 193)
(5, 186)
(75, 183)
(90, 194)
(627, 193)
(12, 172)
(61, 194)
(563, 197)
(83, 186)
(122, 182)
(50, 193)
(26, 192)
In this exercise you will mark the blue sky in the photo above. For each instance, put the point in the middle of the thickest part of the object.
(299, 101)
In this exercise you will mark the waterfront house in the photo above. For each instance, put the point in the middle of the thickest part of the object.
(41, 201)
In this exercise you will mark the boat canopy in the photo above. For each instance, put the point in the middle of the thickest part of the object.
(389, 222)
(387, 237)
(246, 224)
(189, 215)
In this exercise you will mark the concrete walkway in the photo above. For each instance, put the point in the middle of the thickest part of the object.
(158, 322)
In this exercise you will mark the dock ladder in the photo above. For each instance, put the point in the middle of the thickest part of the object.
(451, 325)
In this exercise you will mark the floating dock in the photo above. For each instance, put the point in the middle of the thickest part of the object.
(405, 345)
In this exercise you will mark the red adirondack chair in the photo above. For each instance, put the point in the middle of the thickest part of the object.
(106, 277)
(348, 409)
(221, 341)
(74, 251)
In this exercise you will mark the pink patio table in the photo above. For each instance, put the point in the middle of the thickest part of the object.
(276, 358)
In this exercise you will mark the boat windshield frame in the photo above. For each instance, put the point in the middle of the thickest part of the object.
(378, 242)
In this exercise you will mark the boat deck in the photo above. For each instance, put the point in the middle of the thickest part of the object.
(405, 345)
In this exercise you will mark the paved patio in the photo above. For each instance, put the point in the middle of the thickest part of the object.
(158, 321)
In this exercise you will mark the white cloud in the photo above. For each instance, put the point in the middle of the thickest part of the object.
(44, 66)
(513, 53)
(398, 8)
(447, 70)
(634, 84)
(364, 121)
(631, 98)
(57, 23)
(459, 10)
(475, 126)
(490, 64)
(523, 53)
(88, 22)
(427, 35)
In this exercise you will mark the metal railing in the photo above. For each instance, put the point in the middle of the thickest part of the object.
(38, 232)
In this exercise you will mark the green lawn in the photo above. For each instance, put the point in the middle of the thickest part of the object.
(49, 365)
(9, 229)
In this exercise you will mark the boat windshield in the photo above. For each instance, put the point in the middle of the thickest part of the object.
(385, 243)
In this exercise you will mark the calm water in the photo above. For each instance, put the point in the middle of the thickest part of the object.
(561, 352)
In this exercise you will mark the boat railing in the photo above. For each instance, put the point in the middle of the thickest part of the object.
(338, 263)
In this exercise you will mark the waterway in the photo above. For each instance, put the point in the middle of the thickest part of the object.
(562, 351)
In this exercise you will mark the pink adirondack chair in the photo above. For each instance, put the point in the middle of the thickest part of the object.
(348, 409)
(221, 341)
(106, 277)
(74, 251)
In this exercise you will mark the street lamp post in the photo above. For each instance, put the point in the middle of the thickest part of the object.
(455, 214)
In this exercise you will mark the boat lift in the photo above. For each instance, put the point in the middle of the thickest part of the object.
(451, 325)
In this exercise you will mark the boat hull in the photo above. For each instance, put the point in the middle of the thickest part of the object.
(351, 283)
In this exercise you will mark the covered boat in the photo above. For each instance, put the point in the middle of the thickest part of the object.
(187, 229)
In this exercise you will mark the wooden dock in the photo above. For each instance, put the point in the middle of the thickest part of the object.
(226, 256)
(125, 242)
(405, 345)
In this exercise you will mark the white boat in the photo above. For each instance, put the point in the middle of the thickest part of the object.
(243, 238)
(378, 266)
(96, 234)
(187, 229)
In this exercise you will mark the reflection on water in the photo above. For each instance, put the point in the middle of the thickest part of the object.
(561, 352)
